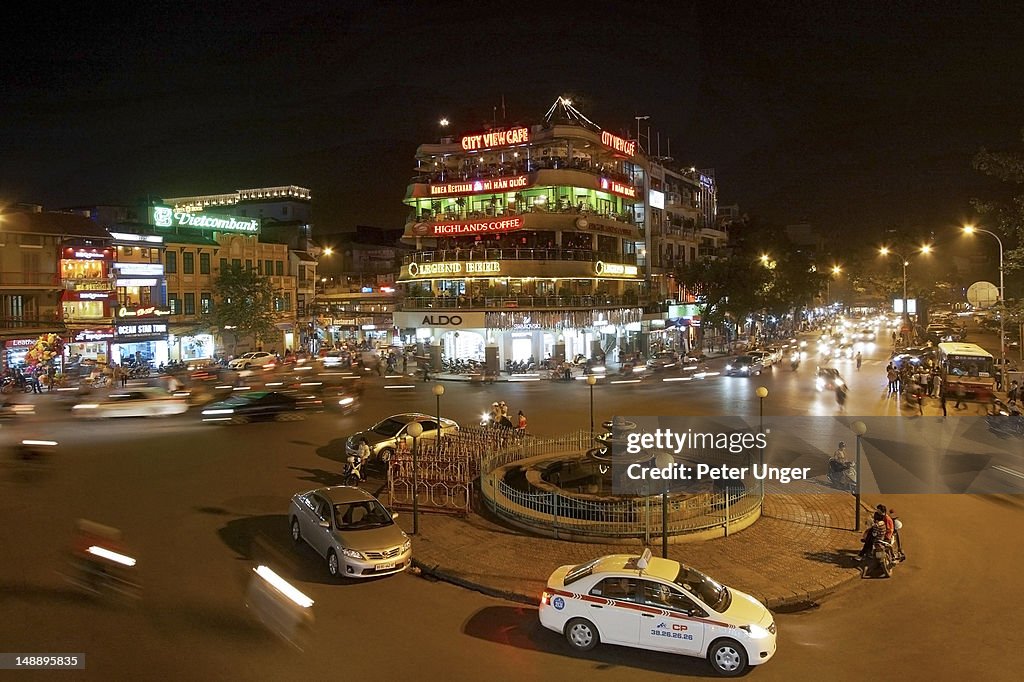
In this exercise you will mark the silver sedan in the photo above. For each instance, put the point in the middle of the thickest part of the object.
(352, 530)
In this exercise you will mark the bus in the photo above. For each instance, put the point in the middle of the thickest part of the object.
(967, 371)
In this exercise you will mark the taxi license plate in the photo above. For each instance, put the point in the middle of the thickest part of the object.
(386, 566)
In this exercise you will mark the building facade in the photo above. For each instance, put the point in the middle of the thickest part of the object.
(544, 240)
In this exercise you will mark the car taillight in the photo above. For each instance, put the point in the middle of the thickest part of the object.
(545, 598)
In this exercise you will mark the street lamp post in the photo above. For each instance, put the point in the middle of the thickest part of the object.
(591, 380)
(664, 461)
(415, 430)
(859, 428)
(885, 251)
(438, 392)
(828, 284)
(762, 393)
(971, 229)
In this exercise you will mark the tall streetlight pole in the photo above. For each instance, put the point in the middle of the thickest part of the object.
(971, 229)
(859, 428)
(885, 251)
(415, 430)
(438, 392)
(762, 393)
(663, 460)
(591, 380)
(828, 284)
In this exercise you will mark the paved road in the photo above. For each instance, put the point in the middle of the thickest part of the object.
(194, 499)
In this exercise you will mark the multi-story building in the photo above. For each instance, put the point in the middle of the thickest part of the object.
(54, 278)
(545, 239)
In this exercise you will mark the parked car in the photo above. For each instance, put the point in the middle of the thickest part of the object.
(744, 365)
(242, 408)
(661, 605)
(255, 359)
(352, 530)
(385, 436)
(137, 402)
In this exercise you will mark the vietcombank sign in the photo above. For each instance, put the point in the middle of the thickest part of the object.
(164, 216)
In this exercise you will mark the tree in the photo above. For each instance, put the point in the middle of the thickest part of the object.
(1005, 215)
(244, 304)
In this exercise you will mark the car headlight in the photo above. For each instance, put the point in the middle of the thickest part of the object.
(218, 411)
(729, 367)
(85, 406)
(406, 546)
(351, 553)
(346, 401)
(755, 631)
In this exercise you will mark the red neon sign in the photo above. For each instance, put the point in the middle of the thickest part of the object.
(495, 138)
(493, 226)
(622, 190)
(478, 186)
(627, 147)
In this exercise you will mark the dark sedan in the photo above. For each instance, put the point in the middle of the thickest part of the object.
(243, 408)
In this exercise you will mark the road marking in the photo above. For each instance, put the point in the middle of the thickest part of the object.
(1012, 472)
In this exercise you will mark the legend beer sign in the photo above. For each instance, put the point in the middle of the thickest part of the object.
(495, 138)
(454, 268)
(618, 144)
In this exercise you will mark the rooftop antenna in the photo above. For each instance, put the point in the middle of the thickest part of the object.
(503, 108)
(638, 119)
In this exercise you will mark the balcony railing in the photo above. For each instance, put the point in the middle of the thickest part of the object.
(455, 214)
(507, 302)
(20, 278)
(485, 171)
(582, 255)
(28, 323)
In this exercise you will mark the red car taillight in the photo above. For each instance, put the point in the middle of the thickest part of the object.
(545, 598)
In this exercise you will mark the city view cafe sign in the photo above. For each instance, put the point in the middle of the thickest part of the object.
(165, 216)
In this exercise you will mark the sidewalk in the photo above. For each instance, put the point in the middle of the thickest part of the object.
(802, 548)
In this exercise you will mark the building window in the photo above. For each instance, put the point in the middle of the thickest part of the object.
(144, 252)
(204, 264)
(171, 262)
(268, 267)
(206, 303)
(188, 263)
(223, 265)
(190, 303)
(236, 264)
(126, 250)
(279, 269)
(248, 265)
(174, 303)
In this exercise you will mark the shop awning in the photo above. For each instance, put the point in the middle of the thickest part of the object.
(285, 326)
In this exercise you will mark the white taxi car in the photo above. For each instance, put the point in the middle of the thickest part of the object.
(658, 604)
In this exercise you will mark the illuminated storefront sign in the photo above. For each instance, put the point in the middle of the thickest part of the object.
(475, 186)
(619, 188)
(615, 269)
(143, 312)
(164, 216)
(152, 331)
(139, 269)
(87, 335)
(491, 267)
(462, 320)
(136, 282)
(495, 138)
(468, 227)
(92, 295)
(627, 147)
(20, 343)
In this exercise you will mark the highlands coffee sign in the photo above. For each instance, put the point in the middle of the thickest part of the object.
(454, 229)
(164, 216)
(509, 184)
(495, 138)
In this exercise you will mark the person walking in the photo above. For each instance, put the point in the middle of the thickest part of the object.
(960, 395)
(522, 423)
(860, 359)
(1014, 392)
(942, 401)
(405, 363)
(36, 388)
(936, 384)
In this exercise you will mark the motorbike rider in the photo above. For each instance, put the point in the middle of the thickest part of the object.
(875, 533)
(363, 453)
(839, 465)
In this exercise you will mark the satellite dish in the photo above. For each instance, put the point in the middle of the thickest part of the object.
(982, 294)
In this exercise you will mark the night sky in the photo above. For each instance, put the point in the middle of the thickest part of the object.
(857, 117)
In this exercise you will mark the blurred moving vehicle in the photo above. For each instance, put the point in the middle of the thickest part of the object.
(10, 409)
(660, 605)
(766, 357)
(242, 408)
(828, 379)
(255, 359)
(744, 365)
(385, 437)
(135, 402)
(666, 359)
(352, 530)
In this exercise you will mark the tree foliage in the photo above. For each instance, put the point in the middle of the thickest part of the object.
(244, 303)
(1004, 215)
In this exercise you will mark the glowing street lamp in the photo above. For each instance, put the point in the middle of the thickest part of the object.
(885, 251)
(971, 229)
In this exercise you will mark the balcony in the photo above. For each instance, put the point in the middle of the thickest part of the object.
(29, 325)
(519, 302)
(521, 167)
(29, 280)
(584, 255)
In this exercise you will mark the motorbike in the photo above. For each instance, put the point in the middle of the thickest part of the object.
(841, 475)
(353, 472)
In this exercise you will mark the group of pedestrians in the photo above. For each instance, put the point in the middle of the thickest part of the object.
(499, 416)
